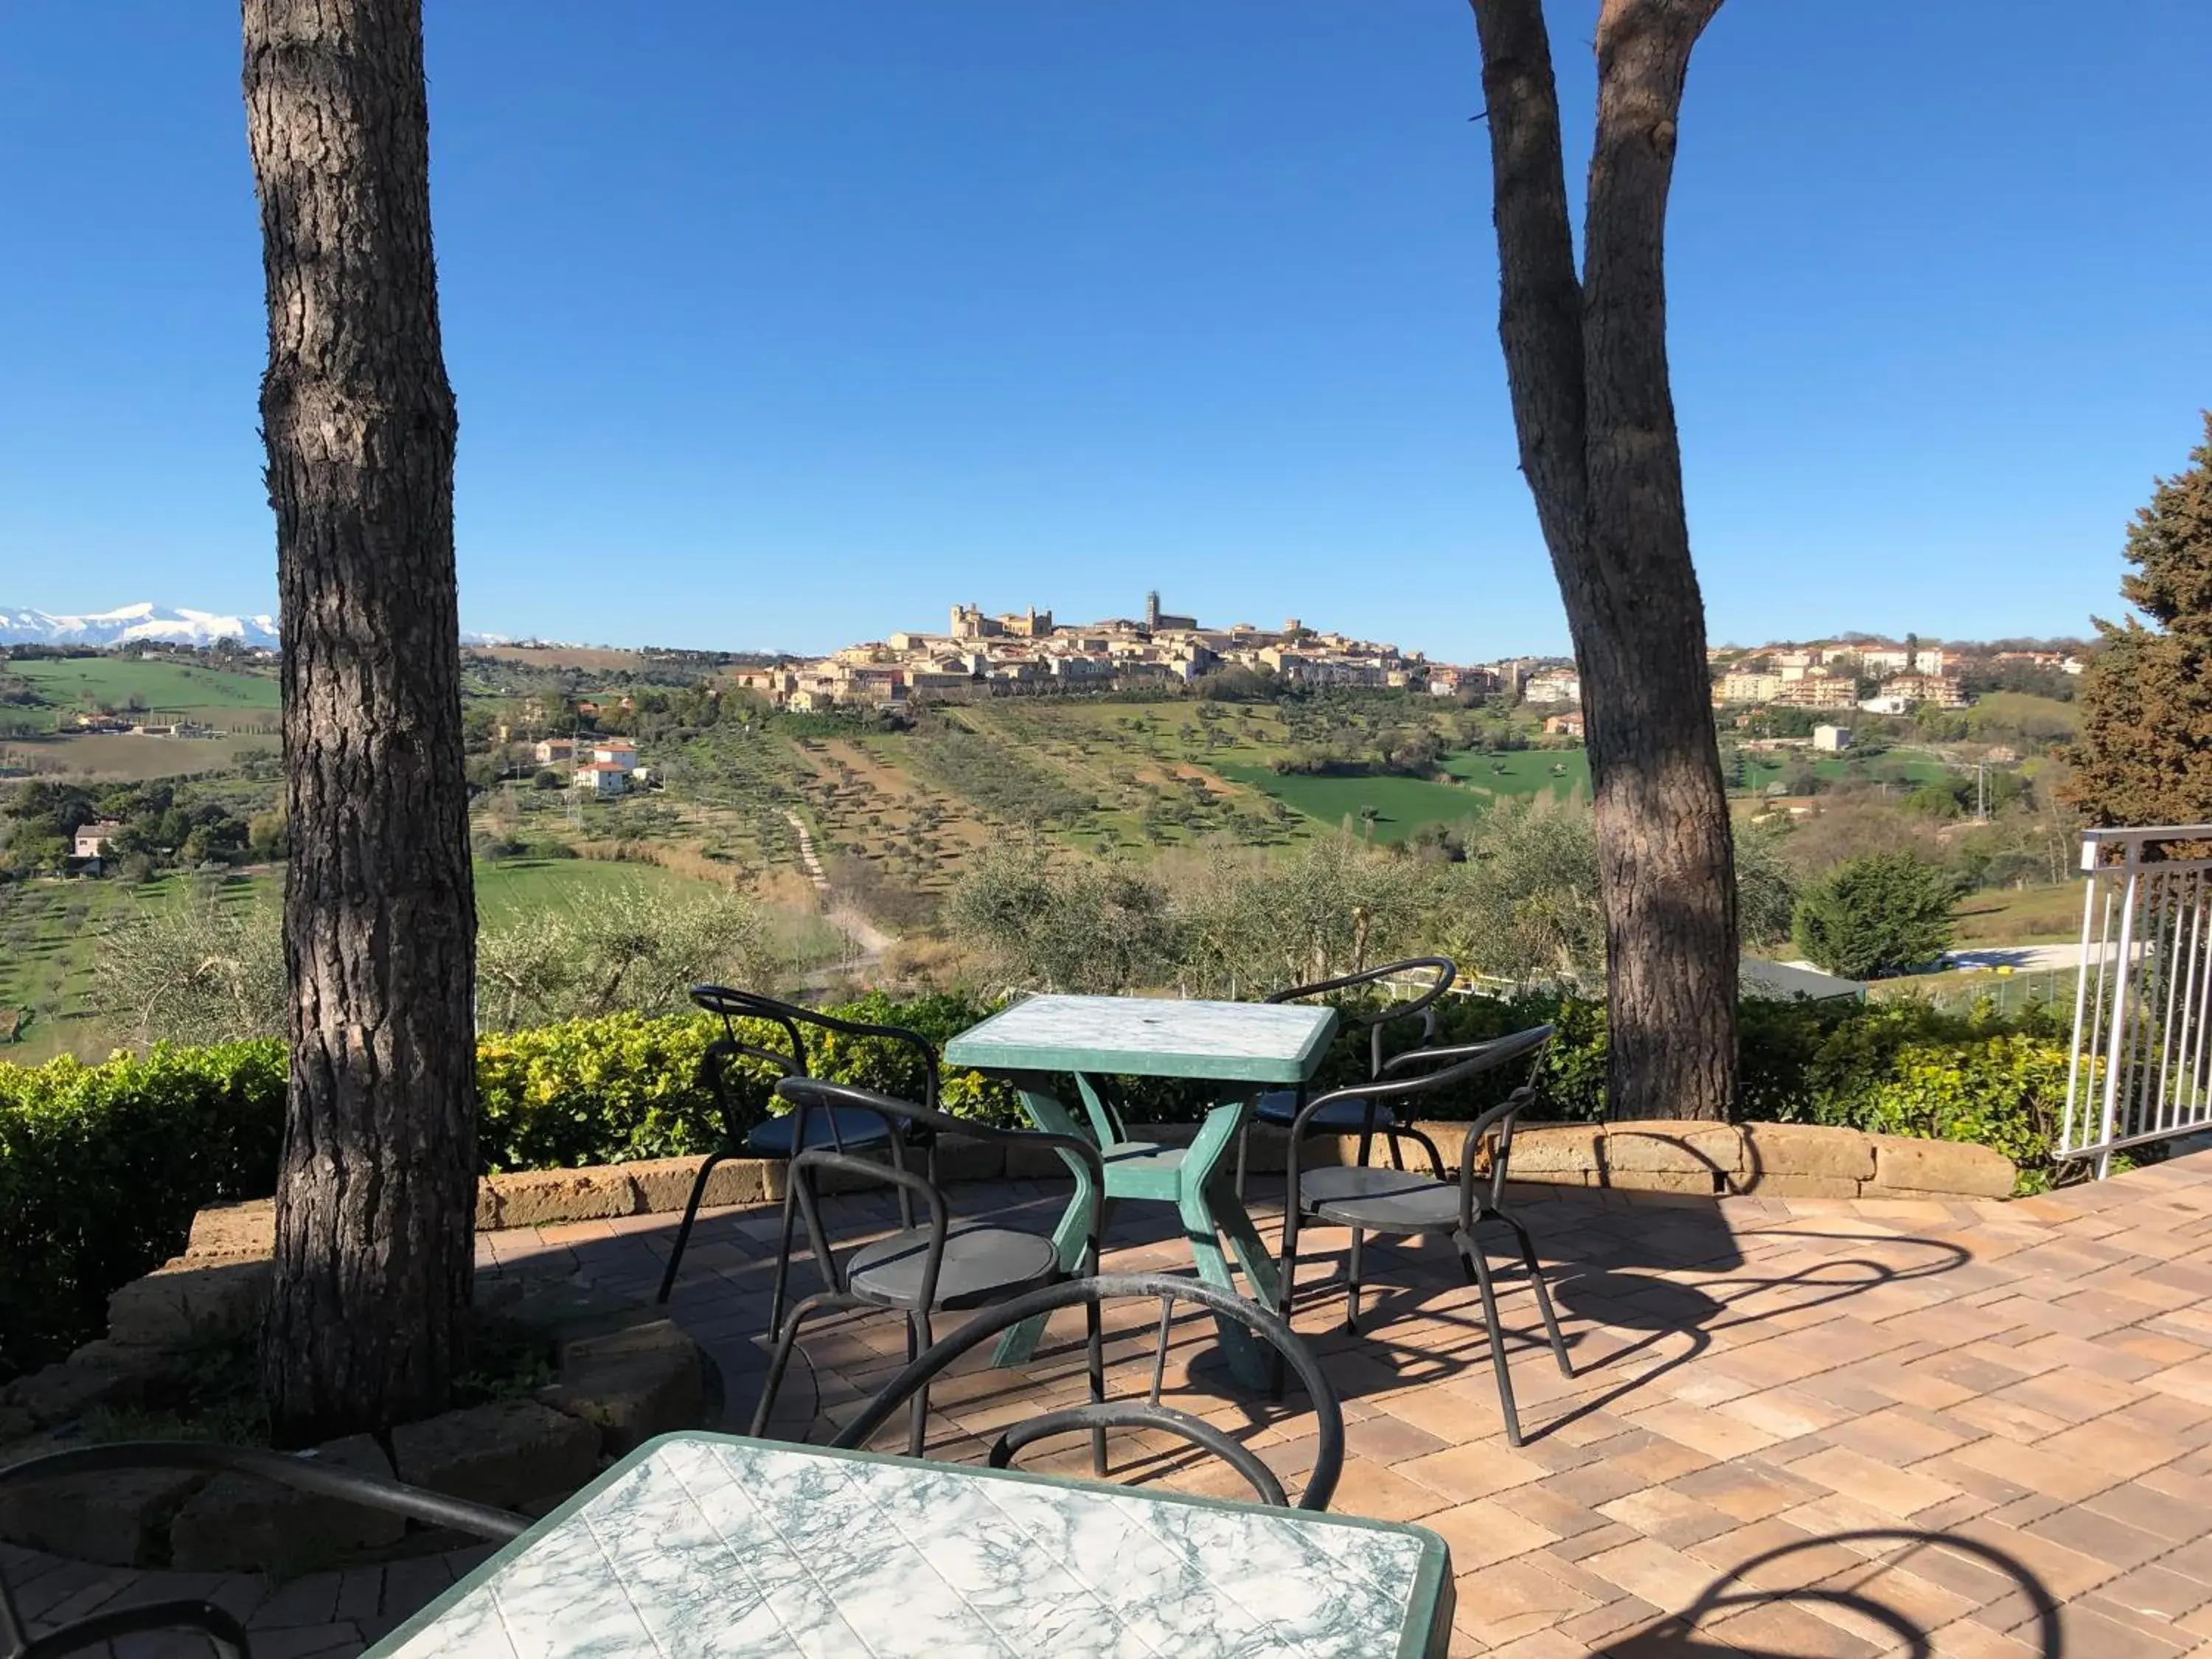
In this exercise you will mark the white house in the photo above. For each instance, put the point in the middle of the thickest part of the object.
(617, 753)
(603, 779)
(1555, 685)
(1832, 737)
(92, 839)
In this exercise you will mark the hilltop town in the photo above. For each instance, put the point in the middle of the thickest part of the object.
(978, 653)
(1030, 649)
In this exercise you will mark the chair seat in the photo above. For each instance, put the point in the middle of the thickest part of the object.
(1343, 1117)
(982, 1264)
(1381, 1200)
(855, 1130)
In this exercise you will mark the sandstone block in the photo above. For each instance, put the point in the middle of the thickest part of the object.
(186, 1298)
(116, 1519)
(1795, 1186)
(1660, 1180)
(539, 1198)
(506, 1454)
(241, 1523)
(1807, 1149)
(224, 1231)
(65, 1390)
(633, 1384)
(1264, 1149)
(1684, 1148)
(969, 1157)
(1543, 1150)
(1026, 1162)
(1953, 1169)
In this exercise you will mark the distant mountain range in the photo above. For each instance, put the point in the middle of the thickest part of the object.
(157, 623)
(145, 621)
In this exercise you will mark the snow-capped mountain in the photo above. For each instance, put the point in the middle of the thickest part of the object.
(151, 621)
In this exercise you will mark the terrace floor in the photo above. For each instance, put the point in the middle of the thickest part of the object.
(1970, 1429)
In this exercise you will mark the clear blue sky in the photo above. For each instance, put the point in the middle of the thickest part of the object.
(782, 324)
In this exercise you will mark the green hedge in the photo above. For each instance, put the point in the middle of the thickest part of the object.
(102, 1166)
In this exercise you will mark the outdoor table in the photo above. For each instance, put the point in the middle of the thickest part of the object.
(710, 1544)
(1246, 1047)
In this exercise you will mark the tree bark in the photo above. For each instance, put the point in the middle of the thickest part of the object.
(375, 1202)
(1586, 362)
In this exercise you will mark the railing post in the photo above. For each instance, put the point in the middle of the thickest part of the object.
(2123, 966)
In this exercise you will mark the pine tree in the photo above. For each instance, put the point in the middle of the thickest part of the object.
(2145, 752)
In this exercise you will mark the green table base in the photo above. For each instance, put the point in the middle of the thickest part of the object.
(1191, 1178)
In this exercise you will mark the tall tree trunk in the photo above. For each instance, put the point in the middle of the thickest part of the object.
(1586, 361)
(375, 1201)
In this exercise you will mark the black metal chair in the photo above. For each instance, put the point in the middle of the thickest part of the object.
(1279, 1107)
(1101, 1414)
(222, 1631)
(944, 1267)
(845, 1129)
(1406, 1202)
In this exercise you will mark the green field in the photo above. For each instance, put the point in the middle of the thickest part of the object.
(129, 757)
(212, 695)
(1524, 772)
(52, 932)
(2026, 915)
(50, 935)
(514, 887)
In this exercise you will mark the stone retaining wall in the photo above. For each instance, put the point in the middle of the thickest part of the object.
(1779, 1160)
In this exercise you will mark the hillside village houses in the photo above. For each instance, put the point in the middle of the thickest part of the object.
(1829, 676)
(981, 653)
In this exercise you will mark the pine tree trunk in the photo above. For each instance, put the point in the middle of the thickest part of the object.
(375, 1200)
(1586, 362)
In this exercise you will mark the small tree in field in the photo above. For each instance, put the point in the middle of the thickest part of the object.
(1876, 914)
(2145, 754)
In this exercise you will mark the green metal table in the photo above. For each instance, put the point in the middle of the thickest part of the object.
(1246, 1047)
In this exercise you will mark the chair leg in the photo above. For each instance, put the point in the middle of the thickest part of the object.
(786, 1339)
(684, 1228)
(918, 1337)
(1543, 1294)
(1471, 1252)
(1352, 1276)
(1094, 1329)
(782, 1281)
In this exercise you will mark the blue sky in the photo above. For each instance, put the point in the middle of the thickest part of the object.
(783, 325)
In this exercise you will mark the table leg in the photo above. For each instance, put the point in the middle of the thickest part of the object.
(1019, 1344)
(1210, 1211)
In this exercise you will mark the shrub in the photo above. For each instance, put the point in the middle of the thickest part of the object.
(102, 1166)
(1877, 914)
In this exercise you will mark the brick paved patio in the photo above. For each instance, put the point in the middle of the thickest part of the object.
(1945, 1416)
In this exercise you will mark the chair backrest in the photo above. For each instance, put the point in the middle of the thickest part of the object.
(1431, 1071)
(1375, 1021)
(807, 1169)
(1166, 1289)
(221, 1629)
(732, 1005)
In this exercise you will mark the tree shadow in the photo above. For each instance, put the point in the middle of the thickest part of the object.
(1702, 1629)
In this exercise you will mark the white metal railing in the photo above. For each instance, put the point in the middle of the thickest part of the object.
(2141, 1066)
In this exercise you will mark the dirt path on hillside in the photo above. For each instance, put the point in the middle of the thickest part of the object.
(872, 939)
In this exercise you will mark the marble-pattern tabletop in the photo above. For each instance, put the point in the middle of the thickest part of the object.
(705, 1544)
(1150, 1037)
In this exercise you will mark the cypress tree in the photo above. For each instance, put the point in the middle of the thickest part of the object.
(2145, 752)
